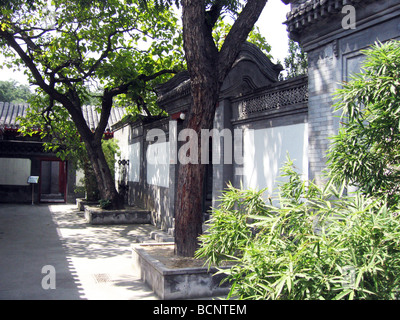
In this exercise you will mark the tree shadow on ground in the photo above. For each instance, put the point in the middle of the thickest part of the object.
(95, 241)
(30, 241)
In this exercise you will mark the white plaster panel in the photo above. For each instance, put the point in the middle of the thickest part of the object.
(134, 162)
(157, 157)
(265, 152)
(14, 171)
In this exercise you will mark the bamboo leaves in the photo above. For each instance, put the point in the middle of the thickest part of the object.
(365, 152)
(315, 244)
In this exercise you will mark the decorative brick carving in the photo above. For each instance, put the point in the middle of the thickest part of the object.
(275, 100)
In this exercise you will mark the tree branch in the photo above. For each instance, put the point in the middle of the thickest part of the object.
(156, 75)
(106, 52)
(124, 87)
(10, 39)
(71, 105)
(109, 94)
(238, 34)
(106, 105)
(213, 14)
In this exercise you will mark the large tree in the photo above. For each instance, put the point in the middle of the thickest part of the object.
(208, 65)
(71, 47)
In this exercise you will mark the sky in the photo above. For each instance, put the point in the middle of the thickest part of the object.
(270, 24)
(272, 28)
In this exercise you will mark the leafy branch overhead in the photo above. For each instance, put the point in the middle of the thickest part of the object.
(104, 46)
(72, 49)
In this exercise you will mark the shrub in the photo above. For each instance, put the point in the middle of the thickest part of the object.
(366, 150)
(317, 243)
(105, 204)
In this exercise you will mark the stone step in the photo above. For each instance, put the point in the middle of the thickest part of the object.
(155, 236)
(145, 239)
(161, 236)
(129, 215)
(81, 203)
(171, 232)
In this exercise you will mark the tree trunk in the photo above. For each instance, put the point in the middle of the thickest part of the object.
(104, 178)
(202, 56)
(188, 206)
(207, 69)
(91, 185)
(105, 181)
(102, 172)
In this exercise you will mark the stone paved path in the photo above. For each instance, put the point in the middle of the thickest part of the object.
(90, 262)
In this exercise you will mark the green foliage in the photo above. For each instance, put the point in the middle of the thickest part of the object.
(229, 233)
(13, 92)
(366, 151)
(229, 6)
(315, 244)
(296, 63)
(101, 47)
(104, 203)
(54, 125)
(13, 4)
(222, 29)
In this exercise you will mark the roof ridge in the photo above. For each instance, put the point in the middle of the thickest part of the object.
(9, 113)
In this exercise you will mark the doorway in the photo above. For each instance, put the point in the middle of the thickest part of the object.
(53, 181)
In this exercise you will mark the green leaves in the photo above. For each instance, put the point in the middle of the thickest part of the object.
(228, 226)
(366, 150)
(101, 45)
(296, 63)
(316, 243)
(222, 29)
(13, 92)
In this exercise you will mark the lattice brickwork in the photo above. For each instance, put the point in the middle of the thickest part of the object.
(275, 100)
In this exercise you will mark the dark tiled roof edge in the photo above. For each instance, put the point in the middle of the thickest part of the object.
(9, 114)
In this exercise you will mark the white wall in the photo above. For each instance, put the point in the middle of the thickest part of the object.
(121, 137)
(157, 158)
(134, 162)
(14, 171)
(265, 150)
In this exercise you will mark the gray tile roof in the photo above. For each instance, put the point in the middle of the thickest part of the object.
(307, 12)
(10, 112)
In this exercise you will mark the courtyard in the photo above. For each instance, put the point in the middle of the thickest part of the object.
(89, 262)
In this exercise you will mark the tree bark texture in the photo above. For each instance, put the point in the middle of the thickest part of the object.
(207, 69)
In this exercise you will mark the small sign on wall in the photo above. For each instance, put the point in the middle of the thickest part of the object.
(33, 179)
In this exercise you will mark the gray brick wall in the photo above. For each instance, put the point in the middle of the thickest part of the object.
(321, 121)
(334, 54)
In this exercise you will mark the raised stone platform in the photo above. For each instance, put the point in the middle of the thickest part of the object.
(81, 203)
(129, 215)
(175, 282)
